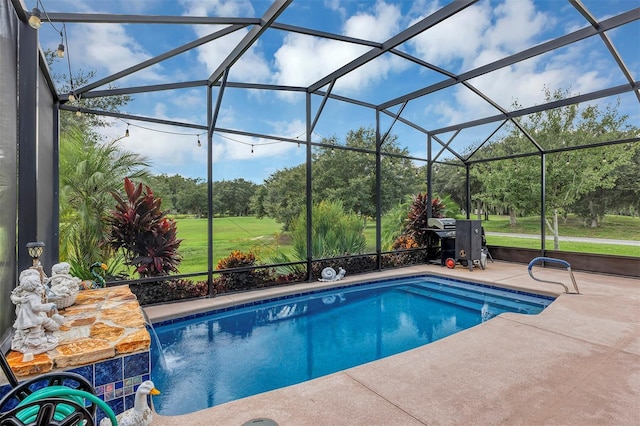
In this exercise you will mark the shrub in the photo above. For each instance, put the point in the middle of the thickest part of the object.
(334, 232)
(169, 290)
(241, 280)
(143, 232)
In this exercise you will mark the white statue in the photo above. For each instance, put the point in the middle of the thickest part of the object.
(36, 318)
(329, 274)
(62, 287)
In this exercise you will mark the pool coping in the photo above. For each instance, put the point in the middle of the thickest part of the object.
(578, 362)
(160, 314)
(347, 286)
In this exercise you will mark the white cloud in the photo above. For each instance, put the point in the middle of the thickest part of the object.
(252, 66)
(517, 23)
(109, 47)
(481, 35)
(303, 60)
(458, 38)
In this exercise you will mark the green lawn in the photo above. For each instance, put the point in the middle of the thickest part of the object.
(613, 227)
(265, 237)
(230, 233)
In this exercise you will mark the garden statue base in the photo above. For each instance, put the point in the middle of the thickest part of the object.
(102, 324)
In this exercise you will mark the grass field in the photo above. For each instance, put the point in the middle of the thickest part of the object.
(265, 238)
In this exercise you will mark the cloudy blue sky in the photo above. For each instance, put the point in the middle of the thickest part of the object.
(481, 34)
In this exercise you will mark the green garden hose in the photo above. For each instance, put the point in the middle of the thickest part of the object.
(29, 414)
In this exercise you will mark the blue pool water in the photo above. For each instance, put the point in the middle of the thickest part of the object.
(223, 356)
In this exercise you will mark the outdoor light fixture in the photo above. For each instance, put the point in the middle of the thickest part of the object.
(60, 51)
(199, 143)
(79, 113)
(126, 132)
(35, 250)
(34, 19)
(72, 97)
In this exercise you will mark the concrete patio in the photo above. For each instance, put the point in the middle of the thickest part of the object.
(576, 363)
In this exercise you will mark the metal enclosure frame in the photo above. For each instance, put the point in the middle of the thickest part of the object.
(28, 53)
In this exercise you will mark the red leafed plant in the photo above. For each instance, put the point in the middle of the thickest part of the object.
(142, 230)
(416, 222)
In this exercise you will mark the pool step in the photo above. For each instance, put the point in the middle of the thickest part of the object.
(509, 299)
(539, 301)
(470, 300)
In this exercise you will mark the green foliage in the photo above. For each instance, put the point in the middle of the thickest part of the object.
(87, 122)
(140, 228)
(590, 181)
(233, 197)
(344, 175)
(89, 171)
(334, 232)
(282, 196)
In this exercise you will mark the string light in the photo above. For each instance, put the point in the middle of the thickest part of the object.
(60, 51)
(35, 20)
(199, 142)
(126, 132)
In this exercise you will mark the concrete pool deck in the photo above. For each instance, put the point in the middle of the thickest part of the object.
(576, 363)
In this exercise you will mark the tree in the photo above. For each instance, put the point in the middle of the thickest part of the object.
(194, 200)
(86, 122)
(349, 176)
(284, 195)
(572, 176)
(88, 173)
(234, 196)
(170, 189)
(88, 169)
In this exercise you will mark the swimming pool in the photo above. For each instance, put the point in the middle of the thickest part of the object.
(222, 356)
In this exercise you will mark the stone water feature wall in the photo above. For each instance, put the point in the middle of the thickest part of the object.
(104, 339)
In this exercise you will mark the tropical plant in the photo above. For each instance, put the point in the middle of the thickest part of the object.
(140, 228)
(89, 171)
(417, 219)
(334, 232)
(397, 223)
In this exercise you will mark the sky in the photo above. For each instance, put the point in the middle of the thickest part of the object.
(481, 34)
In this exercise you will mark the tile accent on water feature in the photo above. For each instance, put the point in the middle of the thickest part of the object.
(115, 381)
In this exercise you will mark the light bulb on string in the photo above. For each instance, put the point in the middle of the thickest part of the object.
(199, 143)
(126, 132)
(35, 20)
(60, 51)
(78, 113)
(251, 149)
(72, 97)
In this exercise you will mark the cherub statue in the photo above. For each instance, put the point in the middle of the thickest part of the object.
(36, 318)
(62, 284)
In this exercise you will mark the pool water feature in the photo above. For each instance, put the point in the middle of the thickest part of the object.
(226, 355)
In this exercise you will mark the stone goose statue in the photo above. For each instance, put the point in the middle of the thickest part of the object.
(140, 414)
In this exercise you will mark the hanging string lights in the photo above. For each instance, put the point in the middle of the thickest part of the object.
(35, 18)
